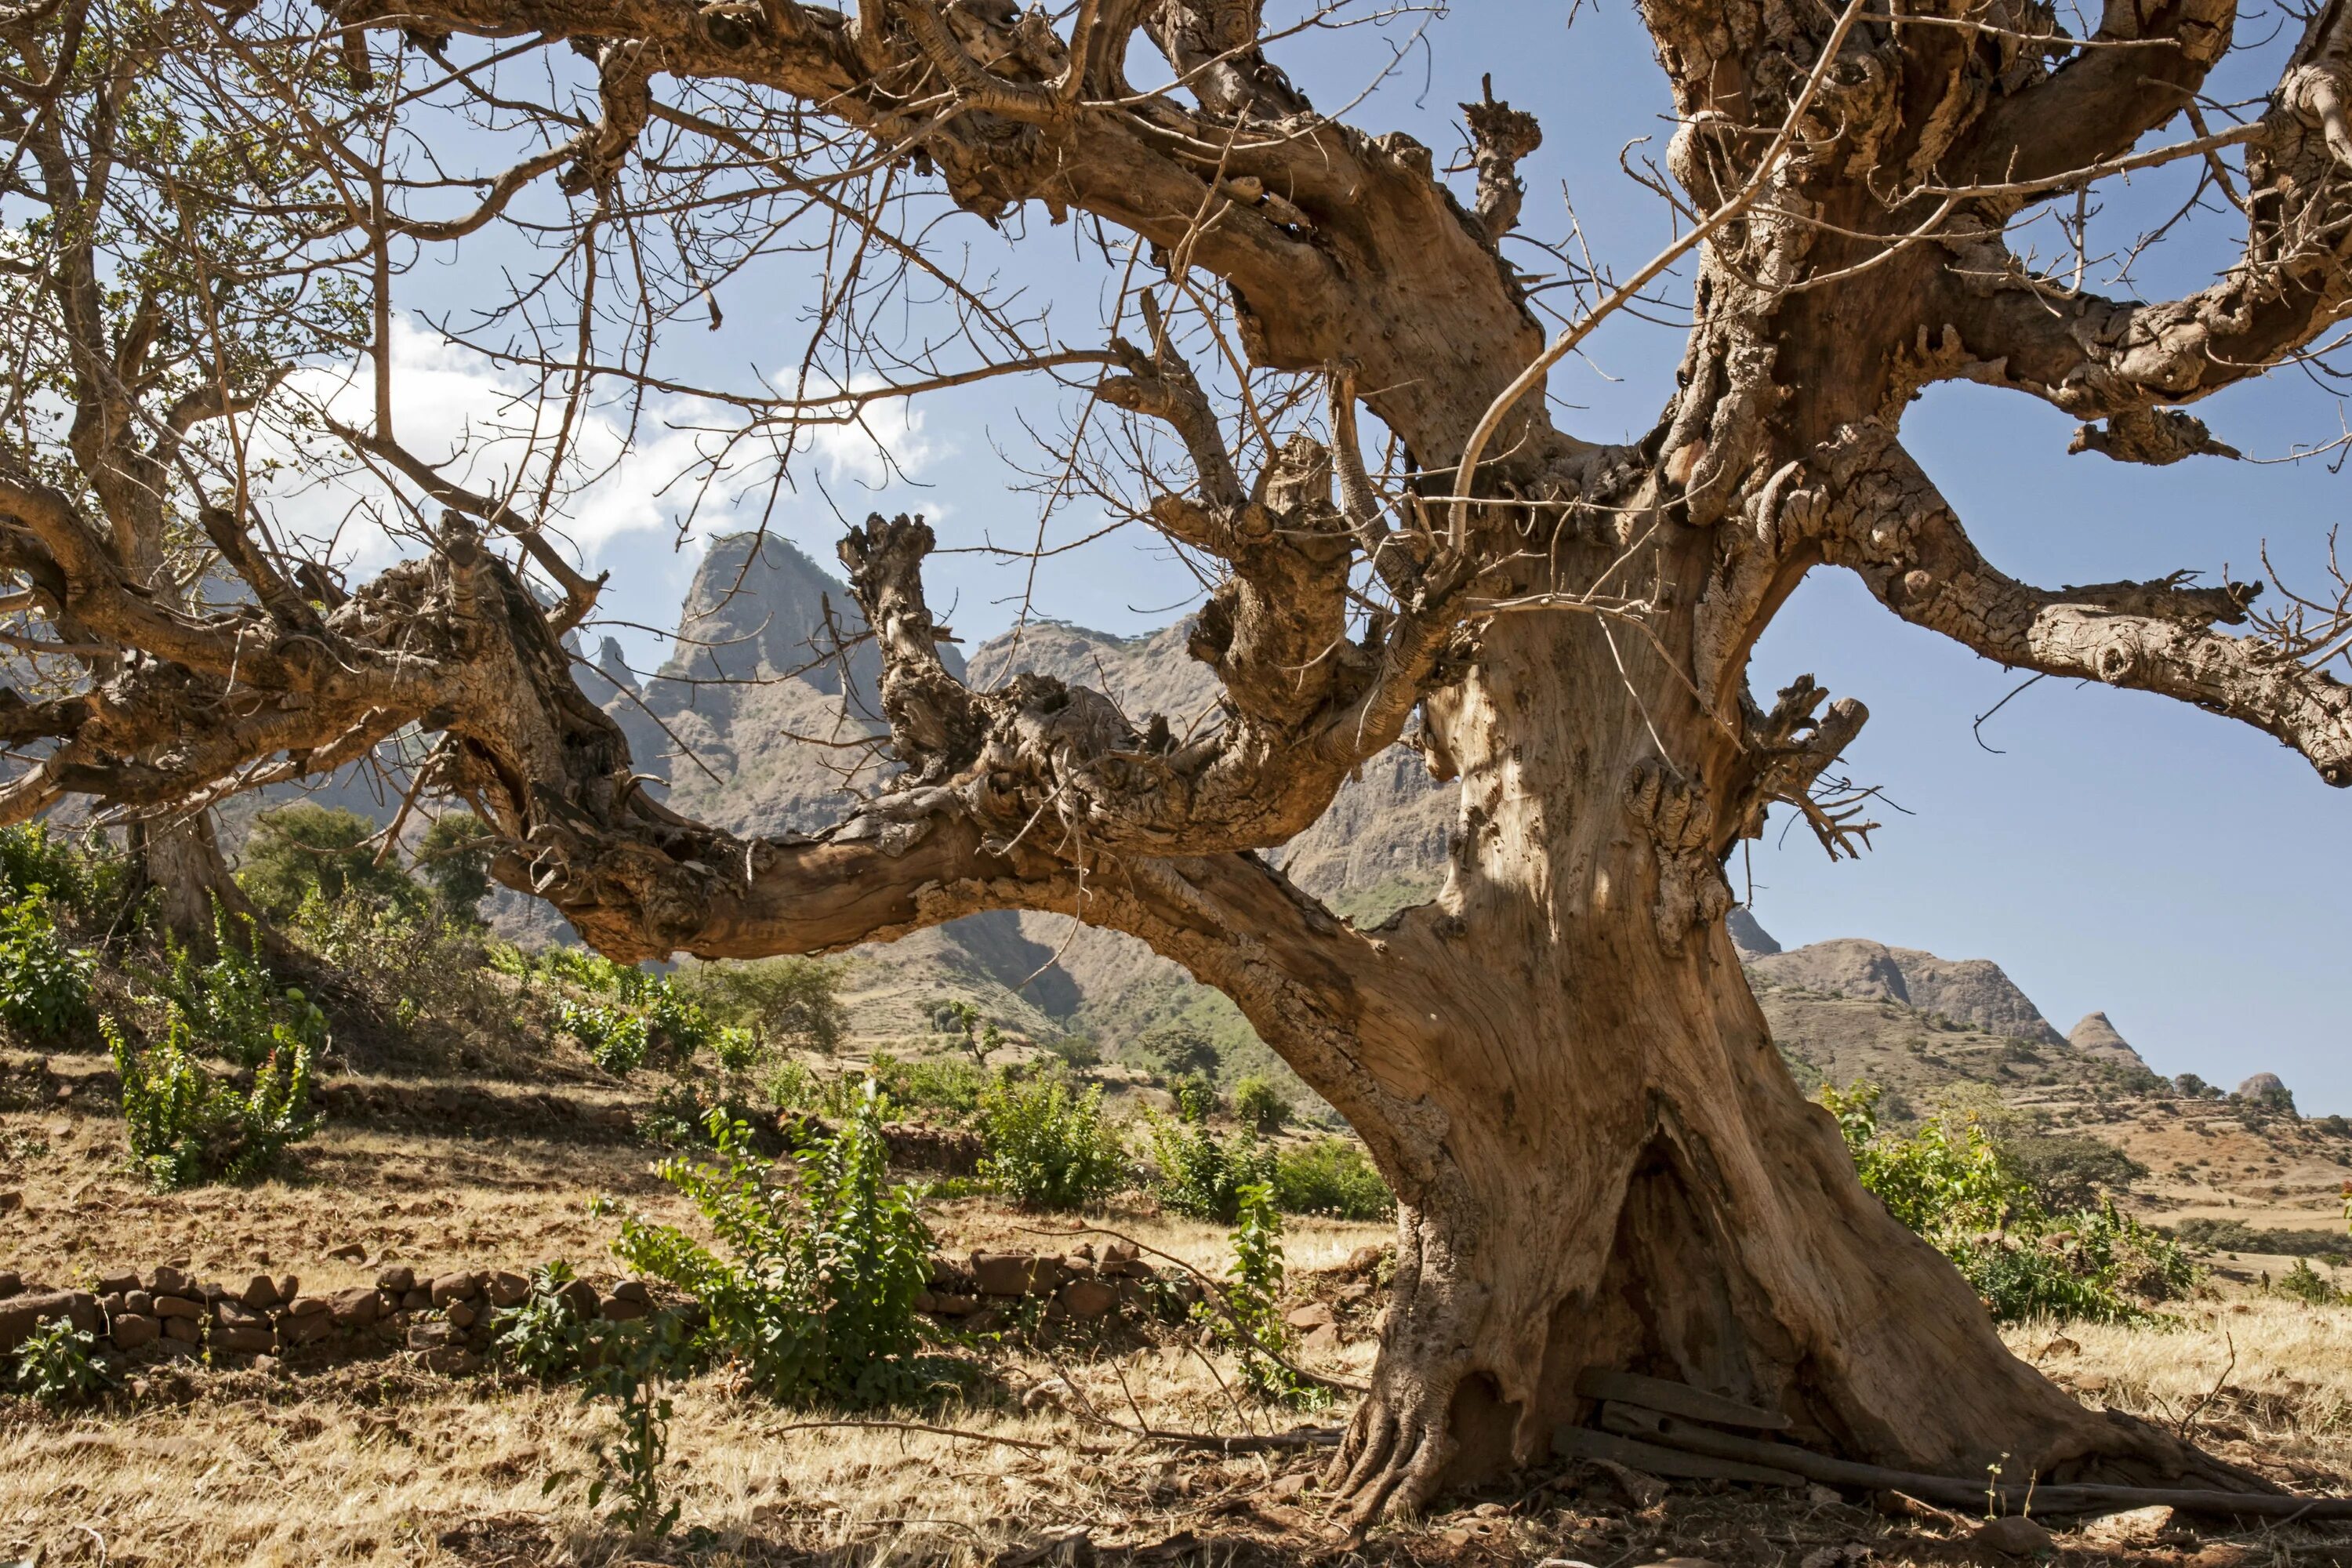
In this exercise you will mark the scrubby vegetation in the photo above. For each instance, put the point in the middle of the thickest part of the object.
(1331, 1176)
(816, 1295)
(1947, 1181)
(1049, 1145)
(186, 1127)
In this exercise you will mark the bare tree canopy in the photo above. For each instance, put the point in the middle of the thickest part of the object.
(1321, 378)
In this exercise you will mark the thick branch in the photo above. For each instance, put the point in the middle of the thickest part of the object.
(1892, 527)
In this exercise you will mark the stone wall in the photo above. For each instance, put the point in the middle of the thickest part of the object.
(447, 1321)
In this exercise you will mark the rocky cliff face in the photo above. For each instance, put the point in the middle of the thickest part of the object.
(754, 721)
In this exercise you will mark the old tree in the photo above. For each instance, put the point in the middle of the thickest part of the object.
(1557, 1064)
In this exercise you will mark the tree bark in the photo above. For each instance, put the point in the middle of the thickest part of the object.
(1600, 1160)
(180, 859)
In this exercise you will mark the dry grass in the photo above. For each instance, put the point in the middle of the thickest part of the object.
(2261, 1381)
(377, 1463)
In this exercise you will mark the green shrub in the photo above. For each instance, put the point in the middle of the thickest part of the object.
(306, 850)
(58, 1364)
(677, 1029)
(186, 1128)
(1180, 1050)
(2304, 1284)
(87, 879)
(1199, 1174)
(1331, 1176)
(1261, 1105)
(541, 1335)
(1195, 1095)
(738, 1050)
(454, 859)
(43, 983)
(233, 1005)
(1251, 1323)
(594, 972)
(951, 1087)
(632, 1366)
(789, 1004)
(1950, 1185)
(614, 1036)
(1047, 1147)
(817, 1296)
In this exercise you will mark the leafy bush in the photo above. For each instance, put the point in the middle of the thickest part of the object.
(1331, 1176)
(454, 859)
(232, 1004)
(540, 1335)
(1180, 1050)
(1195, 1095)
(1251, 1323)
(87, 879)
(1261, 1105)
(58, 1364)
(2070, 1171)
(43, 983)
(308, 850)
(738, 1050)
(2304, 1284)
(1202, 1176)
(594, 972)
(1950, 1185)
(614, 1036)
(952, 1087)
(186, 1128)
(789, 1004)
(677, 1029)
(1047, 1147)
(817, 1297)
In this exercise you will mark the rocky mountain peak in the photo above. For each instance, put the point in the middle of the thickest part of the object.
(2097, 1035)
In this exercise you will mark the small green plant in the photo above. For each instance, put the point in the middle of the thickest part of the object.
(1196, 1097)
(826, 1256)
(614, 1036)
(594, 972)
(232, 1004)
(1261, 1105)
(1251, 1320)
(2302, 1283)
(1949, 1184)
(738, 1050)
(1331, 1176)
(1202, 1174)
(186, 1128)
(1048, 1148)
(44, 985)
(952, 1088)
(962, 1017)
(633, 1365)
(58, 1364)
(540, 1335)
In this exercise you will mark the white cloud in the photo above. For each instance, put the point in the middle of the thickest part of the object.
(680, 467)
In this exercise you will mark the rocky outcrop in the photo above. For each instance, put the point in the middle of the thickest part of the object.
(1972, 991)
(1751, 939)
(2097, 1035)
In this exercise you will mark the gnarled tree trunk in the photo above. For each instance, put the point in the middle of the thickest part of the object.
(1601, 1159)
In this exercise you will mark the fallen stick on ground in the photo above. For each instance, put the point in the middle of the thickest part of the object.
(1671, 1432)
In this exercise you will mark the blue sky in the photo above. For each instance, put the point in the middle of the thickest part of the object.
(2118, 851)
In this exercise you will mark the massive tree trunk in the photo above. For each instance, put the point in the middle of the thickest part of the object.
(1600, 1160)
(180, 858)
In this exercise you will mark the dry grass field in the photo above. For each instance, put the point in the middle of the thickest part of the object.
(377, 1461)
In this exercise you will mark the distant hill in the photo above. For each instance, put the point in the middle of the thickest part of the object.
(1851, 1009)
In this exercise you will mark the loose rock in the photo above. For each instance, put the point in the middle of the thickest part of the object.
(2014, 1536)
